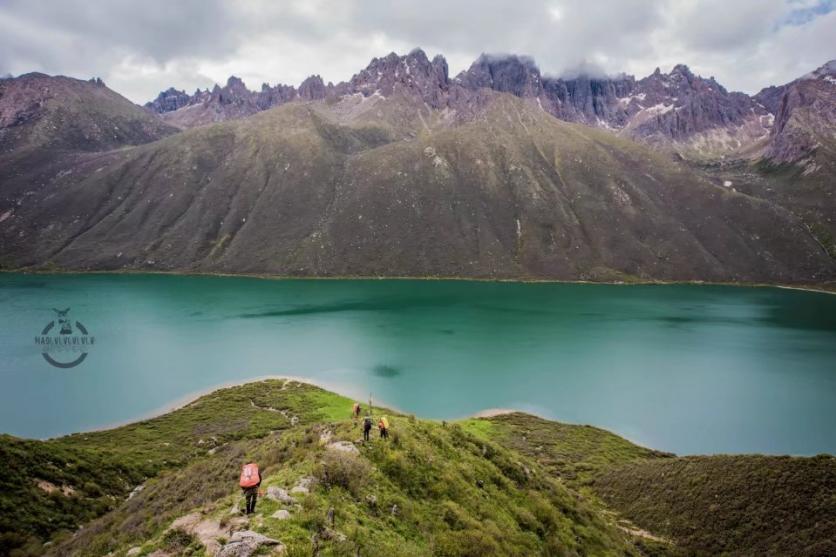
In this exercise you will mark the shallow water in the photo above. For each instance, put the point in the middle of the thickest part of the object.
(684, 368)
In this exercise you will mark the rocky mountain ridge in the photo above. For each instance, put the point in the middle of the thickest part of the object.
(678, 108)
(805, 117)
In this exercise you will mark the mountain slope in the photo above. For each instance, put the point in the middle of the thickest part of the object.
(805, 121)
(61, 113)
(753, 505)
(431, 489)
(707, 505)
(370, 186)
(796, 168)
(52, 126)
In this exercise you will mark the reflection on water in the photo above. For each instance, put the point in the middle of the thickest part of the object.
(688, 368)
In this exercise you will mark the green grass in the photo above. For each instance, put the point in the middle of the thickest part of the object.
(743, 505)
(576, 453)
(103, 467)
(707, 505)
(456, 492)
(508, 485)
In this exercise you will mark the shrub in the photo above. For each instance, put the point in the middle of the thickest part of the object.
(345, 470)
(179, 540)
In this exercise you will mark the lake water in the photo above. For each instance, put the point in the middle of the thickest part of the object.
(684, 368)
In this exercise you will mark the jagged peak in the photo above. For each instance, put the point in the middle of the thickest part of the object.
(682, 69)
(419, 53)
(828, 69)
(235, 81)
(314, 78)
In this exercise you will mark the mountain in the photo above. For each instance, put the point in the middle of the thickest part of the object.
(691, 115)
(512, 484)
(678, 108)
(403, 171)
(372, 186)
(61, 113)
(805, 119)
(796, 168)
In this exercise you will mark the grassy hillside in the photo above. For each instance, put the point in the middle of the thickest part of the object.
(575, 453)
(455, 493)
(752, 505)
(508, 485)
(706, 505)
(55, 486)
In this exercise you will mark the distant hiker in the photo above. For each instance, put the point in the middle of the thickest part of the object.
(355, 411)
(249, 482)
(383, 426)
(367, 427)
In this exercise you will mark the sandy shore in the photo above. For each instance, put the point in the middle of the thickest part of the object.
(493, 412)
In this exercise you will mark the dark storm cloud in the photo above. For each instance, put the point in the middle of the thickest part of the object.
(140, 48)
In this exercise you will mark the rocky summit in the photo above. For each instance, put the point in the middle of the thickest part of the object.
(498, 172)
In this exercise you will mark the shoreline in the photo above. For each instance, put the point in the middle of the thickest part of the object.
(825, 288)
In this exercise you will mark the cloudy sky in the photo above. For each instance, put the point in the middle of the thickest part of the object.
(140, 48)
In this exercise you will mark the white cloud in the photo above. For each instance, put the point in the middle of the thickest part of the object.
(140, 48)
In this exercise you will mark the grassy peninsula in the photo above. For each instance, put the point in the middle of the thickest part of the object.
(507, 485)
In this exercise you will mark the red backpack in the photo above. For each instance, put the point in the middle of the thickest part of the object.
(249, 475)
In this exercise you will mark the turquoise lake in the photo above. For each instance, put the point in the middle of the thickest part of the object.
(684, 368)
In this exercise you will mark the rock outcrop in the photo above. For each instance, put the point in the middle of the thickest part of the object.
(246, 542)
(170, 100)
(805, 118)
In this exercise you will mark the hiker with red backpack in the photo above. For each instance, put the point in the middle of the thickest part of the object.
(249, 482)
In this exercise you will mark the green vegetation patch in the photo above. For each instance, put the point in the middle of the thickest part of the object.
(752, 505)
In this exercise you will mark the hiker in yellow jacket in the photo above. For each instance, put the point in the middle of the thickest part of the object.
(383, 426)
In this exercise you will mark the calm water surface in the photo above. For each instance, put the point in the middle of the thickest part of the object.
(690, 369)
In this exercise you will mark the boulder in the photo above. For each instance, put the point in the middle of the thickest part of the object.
(278, 494)
(281, 514)
(343, 447)
(207, 530)
(246, 543)
(303, 486)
